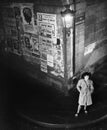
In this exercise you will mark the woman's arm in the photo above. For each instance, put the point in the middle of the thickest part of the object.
(91, 87)
(79, 85)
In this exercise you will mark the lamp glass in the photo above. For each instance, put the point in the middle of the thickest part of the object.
(68, 20)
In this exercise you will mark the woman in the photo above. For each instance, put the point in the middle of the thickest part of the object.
(85, 88)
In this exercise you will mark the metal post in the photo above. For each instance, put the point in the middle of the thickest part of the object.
(74, 39)
(65, 61)
(68, 24)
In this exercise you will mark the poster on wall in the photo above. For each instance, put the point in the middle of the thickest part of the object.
(27, 17)
(27, 47)
(47, 25)
(35, 45)
(31, 43)
(58, 61)
(30, 47)
(43, 65)
(50, 60)
(49, 45)
(17, 30)
(47, 37)
(42, 44)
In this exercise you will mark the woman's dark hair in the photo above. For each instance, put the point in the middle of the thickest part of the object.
(86, 73)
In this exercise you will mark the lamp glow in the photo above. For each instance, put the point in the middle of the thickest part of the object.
(68, 20)
(68, 16)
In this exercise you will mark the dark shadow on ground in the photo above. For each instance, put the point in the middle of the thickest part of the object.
(23, 94)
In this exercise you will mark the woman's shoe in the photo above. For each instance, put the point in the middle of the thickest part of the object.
(86, 111)
(76, 115)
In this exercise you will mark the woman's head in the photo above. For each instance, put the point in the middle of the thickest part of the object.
(86, 75)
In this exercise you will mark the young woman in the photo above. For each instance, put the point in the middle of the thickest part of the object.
(85, 88)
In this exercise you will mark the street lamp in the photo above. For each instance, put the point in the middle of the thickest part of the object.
(68, 24)
(68, 18)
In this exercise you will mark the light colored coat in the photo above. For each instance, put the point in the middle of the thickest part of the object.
(85, 89)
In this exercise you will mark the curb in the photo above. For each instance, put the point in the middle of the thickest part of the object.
(65, 125)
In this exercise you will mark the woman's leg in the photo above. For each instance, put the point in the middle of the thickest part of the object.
(78, 110)
(85, 108)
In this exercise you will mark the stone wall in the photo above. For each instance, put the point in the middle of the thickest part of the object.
(95, 33)
(91, 35)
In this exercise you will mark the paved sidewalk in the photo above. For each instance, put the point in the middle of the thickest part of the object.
(62, 113)
(49, 107)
